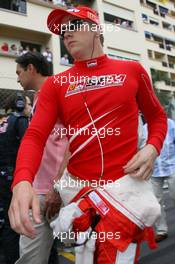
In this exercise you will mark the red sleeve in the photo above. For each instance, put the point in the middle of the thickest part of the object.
(152, 110)
(32, 145)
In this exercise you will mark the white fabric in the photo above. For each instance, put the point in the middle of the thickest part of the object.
(85, 253)
(63, 223)
(128, 256)
(68, 187)
(134, 198)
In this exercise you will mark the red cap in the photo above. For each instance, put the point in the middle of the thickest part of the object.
(55, 17)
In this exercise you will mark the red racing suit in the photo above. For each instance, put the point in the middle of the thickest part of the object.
(114, 91)
(98, 102)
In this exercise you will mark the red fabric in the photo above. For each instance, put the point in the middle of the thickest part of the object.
(118, 229)
(82, 223)
(83, 12)
(149, 236)
(81, 193)
(112, 223)
(5, 47)
(106, 254)
(118, 103)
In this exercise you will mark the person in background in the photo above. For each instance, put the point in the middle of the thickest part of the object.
(65, 60)
(117, 21)
(13, 49)
(69, 4)
(20, 51)
(110, 95)
(15, 5)
(12, 129)
(5, 47)
(34, 50)
(125, 23)
(32, 70)
(49, 57)
(26, 49)
(164, 170)
(59, 2)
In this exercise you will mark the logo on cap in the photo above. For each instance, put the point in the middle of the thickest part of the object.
(91, 15)
(73, 10)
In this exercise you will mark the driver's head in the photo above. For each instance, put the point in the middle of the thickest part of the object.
(79, 29)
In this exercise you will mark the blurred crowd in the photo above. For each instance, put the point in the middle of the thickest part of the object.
(20, 5)
(18, 51)
(47, 53)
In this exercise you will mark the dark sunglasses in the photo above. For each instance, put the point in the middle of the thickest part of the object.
(73, 25)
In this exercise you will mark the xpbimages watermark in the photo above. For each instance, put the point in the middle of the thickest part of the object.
(72, 183)
(101, 236)
(86, 26)
(86, 131)
(77, 80)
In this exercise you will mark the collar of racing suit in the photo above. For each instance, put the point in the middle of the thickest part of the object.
(91, 62)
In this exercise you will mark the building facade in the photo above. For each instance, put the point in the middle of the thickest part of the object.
(140, 30)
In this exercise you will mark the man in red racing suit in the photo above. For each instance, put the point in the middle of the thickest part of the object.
(97, 100)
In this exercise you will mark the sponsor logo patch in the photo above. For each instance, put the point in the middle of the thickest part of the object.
(94, 83)
(91, 15)
(99, 203)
